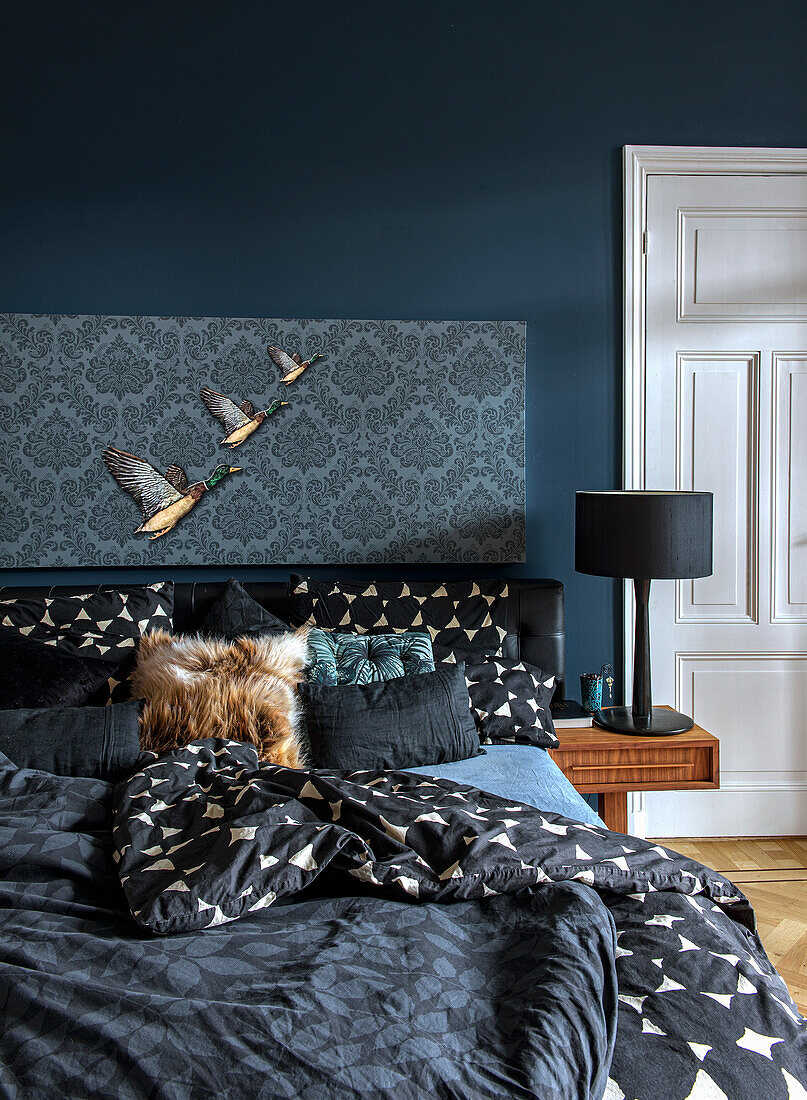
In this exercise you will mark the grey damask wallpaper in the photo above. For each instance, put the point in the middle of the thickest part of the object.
(404, 443)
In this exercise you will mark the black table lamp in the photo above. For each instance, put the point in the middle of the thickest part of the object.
(644, 536)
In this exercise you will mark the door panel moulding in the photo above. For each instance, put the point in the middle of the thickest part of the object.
(641, 161)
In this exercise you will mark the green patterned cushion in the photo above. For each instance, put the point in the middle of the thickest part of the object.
(363, 658)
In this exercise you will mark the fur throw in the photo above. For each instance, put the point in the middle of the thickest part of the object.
(195, 687)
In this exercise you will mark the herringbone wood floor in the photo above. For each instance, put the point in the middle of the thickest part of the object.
(772, 873)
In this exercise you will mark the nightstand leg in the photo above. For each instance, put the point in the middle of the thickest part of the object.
(613, 809)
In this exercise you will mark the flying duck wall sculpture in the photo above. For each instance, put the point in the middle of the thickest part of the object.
(238, 421)
(163, 500)
(292, 365)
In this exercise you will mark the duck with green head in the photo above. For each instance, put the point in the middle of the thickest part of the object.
(292, 366)
(163, 500)
(238, 421)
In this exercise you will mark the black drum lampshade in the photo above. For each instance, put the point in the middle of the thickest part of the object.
(643, 535)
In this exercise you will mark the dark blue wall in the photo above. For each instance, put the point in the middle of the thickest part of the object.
(373, 158)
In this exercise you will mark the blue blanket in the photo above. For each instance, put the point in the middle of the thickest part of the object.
(521, 773)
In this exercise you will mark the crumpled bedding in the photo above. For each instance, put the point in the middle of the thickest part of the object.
(251, 931)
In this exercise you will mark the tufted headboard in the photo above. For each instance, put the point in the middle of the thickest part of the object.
(535, 613)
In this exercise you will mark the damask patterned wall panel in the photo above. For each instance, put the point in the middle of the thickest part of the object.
(403, 443)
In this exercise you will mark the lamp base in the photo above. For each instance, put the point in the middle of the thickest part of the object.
(661, 722)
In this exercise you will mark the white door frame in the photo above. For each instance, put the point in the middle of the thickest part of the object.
(640, 161)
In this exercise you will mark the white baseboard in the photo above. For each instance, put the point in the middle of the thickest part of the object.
(740, 809)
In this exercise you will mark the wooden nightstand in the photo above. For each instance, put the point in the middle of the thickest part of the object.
(611, 764)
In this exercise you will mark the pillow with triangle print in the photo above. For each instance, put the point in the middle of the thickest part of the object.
(104, 626)
(458, 615)
(510, 702)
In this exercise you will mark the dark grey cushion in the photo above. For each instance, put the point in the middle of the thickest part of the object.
(235, 614)
(101, 742)
(36, 674)
(400, 723)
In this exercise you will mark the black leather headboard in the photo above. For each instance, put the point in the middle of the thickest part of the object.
(535, 613)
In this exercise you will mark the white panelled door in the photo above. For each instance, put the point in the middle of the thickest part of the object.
(726, 410)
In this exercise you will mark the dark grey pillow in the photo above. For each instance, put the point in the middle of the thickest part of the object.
(36, 674)
(400, 723)
(235, 614)
(100, 742)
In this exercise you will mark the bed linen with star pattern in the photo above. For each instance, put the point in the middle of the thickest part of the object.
(214, 926)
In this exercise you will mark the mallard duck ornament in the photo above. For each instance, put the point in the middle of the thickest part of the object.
(238, 421)
(292, 365)
(162, 500)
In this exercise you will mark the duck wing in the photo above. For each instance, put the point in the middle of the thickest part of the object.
(177, 477)
(248, 408)
(280, 359)
(150, 489)
(225, 410)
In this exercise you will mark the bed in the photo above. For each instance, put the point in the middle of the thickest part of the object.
(469, 929)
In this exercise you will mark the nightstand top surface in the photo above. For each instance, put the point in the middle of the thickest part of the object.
(598, 738)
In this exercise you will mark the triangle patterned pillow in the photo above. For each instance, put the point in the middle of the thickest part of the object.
(510, 702)
(105, 626)
(457, 615)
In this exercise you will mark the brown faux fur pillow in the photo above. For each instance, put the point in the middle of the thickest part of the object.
(196, 687)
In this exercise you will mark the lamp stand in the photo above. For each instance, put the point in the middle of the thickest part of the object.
(642, 718)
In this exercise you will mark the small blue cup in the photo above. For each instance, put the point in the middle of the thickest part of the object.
(591, 691)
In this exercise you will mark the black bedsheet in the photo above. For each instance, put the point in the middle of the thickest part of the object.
(502, 980)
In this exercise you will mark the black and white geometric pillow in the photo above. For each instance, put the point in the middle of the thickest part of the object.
(510, 702)
(458, 615)
(105, 626)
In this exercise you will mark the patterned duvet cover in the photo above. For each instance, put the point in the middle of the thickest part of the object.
(217, 927)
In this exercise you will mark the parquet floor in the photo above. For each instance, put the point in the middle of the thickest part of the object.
(772, 873)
